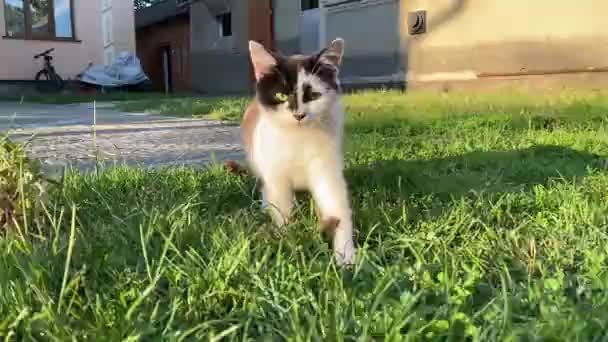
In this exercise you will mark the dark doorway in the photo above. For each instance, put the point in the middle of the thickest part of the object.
(166, 60)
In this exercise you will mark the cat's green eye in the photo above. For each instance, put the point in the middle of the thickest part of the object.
(280, 97)
(315, 95)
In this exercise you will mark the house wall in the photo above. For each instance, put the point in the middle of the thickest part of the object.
(123, 13)
(295, 31)
(150, 42)
(70, 58)
(287, 25)
(107, 31)
(372, 41)
(467, 37)
(220, 65)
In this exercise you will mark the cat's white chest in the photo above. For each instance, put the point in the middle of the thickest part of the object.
(292, 154)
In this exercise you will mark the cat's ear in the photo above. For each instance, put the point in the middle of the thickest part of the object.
(262, 60)
(333, 53)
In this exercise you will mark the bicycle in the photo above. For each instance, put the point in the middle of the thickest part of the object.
(48, 72)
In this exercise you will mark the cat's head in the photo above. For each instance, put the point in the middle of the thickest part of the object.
(299, 88)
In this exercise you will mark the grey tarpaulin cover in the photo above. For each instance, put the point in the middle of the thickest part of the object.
(124, 70)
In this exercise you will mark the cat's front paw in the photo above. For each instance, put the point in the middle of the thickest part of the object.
(345, 257)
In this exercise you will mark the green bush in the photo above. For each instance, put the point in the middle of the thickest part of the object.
(21, 186)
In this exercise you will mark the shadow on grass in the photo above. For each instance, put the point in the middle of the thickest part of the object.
(427, 186)
(381, 191)
(436, 182)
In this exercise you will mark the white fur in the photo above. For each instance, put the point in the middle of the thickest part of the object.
(291, 155)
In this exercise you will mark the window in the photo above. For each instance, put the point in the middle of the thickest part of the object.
(140, 4)
(309, 4)
(39, 19)
(224, 22)
(15, 18)
(63, 19)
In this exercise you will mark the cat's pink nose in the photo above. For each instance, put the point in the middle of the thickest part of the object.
(299, 117)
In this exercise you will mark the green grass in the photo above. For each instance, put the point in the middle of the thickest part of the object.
(368, 108)
(112, 96)
(482, 217)
(224, 108)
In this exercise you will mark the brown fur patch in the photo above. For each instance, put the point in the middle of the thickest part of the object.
(233, 167)
(329, 225)
(248, 124)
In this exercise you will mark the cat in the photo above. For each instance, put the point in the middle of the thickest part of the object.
(292, 133)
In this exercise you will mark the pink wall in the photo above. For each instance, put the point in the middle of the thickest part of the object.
(16, 56)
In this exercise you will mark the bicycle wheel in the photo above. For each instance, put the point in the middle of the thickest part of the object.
(56, 82)
(42, 75)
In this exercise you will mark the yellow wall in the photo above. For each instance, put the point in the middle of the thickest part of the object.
(465, 37)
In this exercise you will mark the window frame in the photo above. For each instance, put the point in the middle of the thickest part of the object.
(307, 5)
(220, 21)
(27, 20)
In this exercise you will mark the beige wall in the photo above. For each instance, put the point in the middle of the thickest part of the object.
(70, 58)
(466, 37)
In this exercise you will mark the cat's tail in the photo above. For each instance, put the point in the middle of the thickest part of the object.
(235, 168)
(232, 166)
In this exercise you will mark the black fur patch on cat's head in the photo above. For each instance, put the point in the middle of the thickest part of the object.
(278, 74)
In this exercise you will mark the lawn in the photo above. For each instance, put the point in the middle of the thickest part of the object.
(478, 216)
(223, 108)
(79, 97)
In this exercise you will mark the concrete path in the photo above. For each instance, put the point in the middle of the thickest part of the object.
(62, 135)
(34, 115)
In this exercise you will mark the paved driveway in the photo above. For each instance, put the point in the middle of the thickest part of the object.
(33, 115)
(62, 135)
